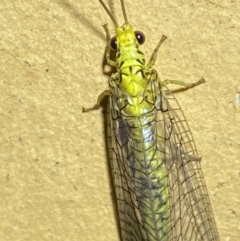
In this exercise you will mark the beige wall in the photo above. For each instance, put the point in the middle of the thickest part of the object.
(54, 182)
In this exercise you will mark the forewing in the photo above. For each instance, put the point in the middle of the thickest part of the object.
(191, 212)
(119, 153)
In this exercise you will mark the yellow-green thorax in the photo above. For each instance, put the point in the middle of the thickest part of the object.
(130, 61)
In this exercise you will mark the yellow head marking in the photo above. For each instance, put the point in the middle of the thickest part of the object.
(125, 35)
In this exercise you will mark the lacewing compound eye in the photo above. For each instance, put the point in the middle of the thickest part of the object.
(140, 37)
(113, 43)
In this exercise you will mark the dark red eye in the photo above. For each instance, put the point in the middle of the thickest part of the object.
(140, 37)
(113, 43)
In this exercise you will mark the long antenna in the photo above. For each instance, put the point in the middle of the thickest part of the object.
(124, 11)
(109, 13)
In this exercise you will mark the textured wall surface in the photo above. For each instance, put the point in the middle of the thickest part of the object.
(54, 179)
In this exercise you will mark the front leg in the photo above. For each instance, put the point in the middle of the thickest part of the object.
(108, 49)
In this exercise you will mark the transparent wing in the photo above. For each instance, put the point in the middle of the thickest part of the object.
(192, 216)
(191, 213)
(128, 211)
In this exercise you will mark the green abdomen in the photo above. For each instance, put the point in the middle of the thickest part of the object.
(148, 173)
(135, 99)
